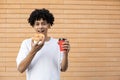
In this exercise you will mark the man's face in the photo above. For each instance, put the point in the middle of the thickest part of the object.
(41, 26)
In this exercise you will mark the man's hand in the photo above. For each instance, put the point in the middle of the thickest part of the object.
(66, 46)
(37, 46)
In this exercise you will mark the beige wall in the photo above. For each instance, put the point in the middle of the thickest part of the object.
(92, 26)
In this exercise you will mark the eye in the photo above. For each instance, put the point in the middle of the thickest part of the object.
(37, 24)
(43, 23)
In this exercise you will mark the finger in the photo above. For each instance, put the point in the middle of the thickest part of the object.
(66, 47)
(66, 43)
(66, 50)
(41, 42)
(33, 43)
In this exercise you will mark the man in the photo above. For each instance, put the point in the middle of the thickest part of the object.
(42, 61)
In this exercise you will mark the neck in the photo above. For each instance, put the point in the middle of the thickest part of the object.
(47, 38)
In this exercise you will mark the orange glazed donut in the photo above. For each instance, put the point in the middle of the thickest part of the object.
(37, 37)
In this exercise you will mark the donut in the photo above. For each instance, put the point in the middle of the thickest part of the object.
(37, 37)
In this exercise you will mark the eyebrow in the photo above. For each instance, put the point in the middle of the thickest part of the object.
(39, 21)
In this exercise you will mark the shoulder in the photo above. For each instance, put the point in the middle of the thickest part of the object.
(54, 40)
(26, 41)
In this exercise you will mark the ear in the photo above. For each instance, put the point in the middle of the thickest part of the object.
(49, 26)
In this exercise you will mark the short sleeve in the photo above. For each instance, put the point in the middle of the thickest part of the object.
(23, 51)
(61, 55)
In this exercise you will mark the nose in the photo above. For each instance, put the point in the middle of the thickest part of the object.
(40, 26)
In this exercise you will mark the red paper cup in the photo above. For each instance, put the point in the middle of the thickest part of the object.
(61, 40)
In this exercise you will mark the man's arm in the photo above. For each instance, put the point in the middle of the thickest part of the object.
(64, 64)
(26, 62)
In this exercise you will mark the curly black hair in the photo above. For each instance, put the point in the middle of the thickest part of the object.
(38, 14)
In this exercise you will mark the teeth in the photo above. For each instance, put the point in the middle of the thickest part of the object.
(40, 30)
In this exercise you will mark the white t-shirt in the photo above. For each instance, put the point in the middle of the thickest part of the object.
(45, 64)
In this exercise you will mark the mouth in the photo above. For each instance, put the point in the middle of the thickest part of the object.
(41, 31)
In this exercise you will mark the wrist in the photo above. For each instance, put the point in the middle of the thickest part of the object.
(33, 52)
(66, 54)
